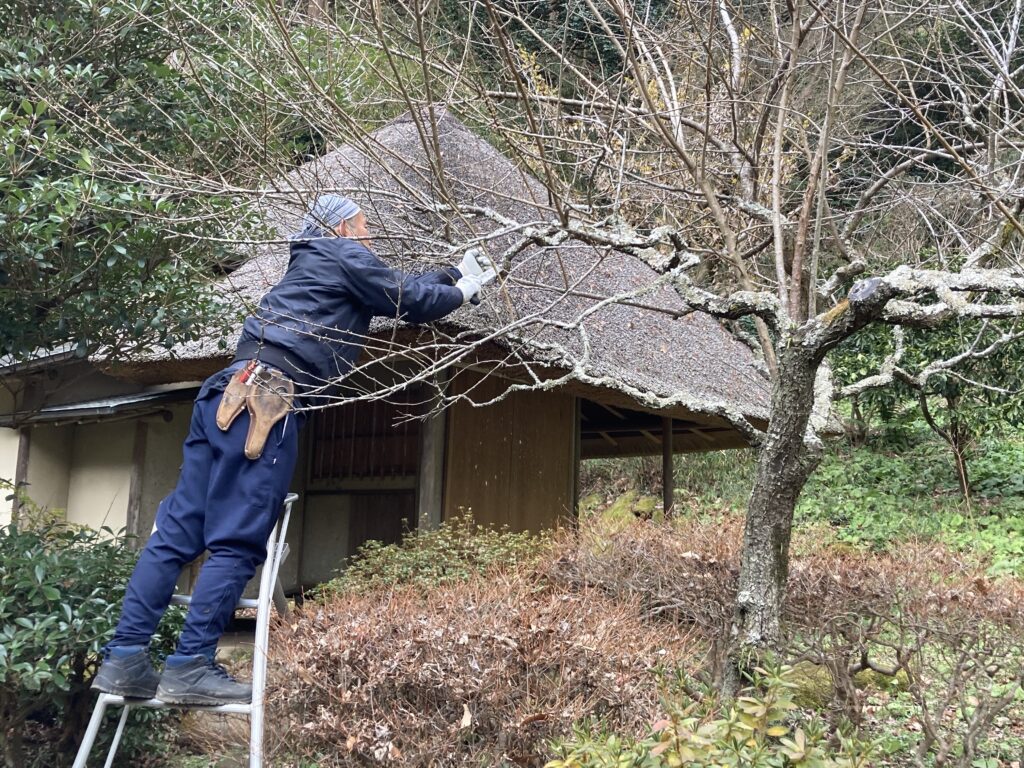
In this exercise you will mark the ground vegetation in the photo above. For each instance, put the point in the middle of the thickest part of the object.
(608, 647)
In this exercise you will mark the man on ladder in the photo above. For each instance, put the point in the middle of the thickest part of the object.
(308, 331)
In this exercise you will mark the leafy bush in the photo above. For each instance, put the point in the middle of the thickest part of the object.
(610, 477)
(456, 551)
(96, 253)
(754, 731)
(61, 589)
(996, 539)
(996, 470)
(717, 478)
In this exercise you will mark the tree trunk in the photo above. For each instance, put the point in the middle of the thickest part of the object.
(960, 442)
(956, 435)
(76, 718)
(784, 464)
(10, 742)
(962, 476)
(857, 428)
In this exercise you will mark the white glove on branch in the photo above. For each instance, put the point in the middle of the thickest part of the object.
(476, 264)
(470, 286)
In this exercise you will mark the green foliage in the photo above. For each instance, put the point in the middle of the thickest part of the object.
(628, 507)
(997, 470)
(897, 486)
(979, 396)
(126, 135)
(862, 355)
(60, 595)
(757, 730)
(458, 550)
(997, 539)
(715, 479)
(877, 495)
(710, 480)
(95, 252)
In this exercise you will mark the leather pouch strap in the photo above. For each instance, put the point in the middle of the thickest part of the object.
(269, 398)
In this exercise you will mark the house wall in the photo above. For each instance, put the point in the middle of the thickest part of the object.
(324, 542)
(8, 453)
(512, 462)
(49, 465)
(161, 461)
(100, 474)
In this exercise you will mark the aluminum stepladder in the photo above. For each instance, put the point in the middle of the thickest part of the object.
(270, 592)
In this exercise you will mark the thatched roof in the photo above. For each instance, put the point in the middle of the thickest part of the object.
(640, 353)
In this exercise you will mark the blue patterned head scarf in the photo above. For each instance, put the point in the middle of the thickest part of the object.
(326, 213)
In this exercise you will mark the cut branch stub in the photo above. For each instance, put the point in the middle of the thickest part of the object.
(863, 290)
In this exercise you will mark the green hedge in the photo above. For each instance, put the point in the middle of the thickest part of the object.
(61, 589)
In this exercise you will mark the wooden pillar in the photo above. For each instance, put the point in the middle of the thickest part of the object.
(132, 523)
(430, 491)
(20, 470)
(667, 487)
(577, 417)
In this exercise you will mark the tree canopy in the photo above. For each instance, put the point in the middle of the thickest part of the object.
(127, 169)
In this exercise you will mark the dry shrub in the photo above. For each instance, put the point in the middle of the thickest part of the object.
(687, 571)
(486, 672)
(920, 615)
(474, 673)
(921, 579)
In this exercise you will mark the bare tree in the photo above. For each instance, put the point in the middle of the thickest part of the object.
(760, 156)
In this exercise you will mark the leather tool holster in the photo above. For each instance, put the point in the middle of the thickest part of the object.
(266, 393)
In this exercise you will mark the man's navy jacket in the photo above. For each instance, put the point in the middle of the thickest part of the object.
(313, 324)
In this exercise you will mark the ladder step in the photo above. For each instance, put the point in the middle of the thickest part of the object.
(224, 709)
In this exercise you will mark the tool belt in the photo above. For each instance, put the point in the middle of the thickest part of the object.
(266, 393)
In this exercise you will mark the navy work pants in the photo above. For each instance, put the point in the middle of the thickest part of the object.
(224, 503)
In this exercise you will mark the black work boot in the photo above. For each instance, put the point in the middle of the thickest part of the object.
(198, 680)
(127, 671)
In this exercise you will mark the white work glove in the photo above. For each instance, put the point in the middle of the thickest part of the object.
(470, 286)
(476, 264)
